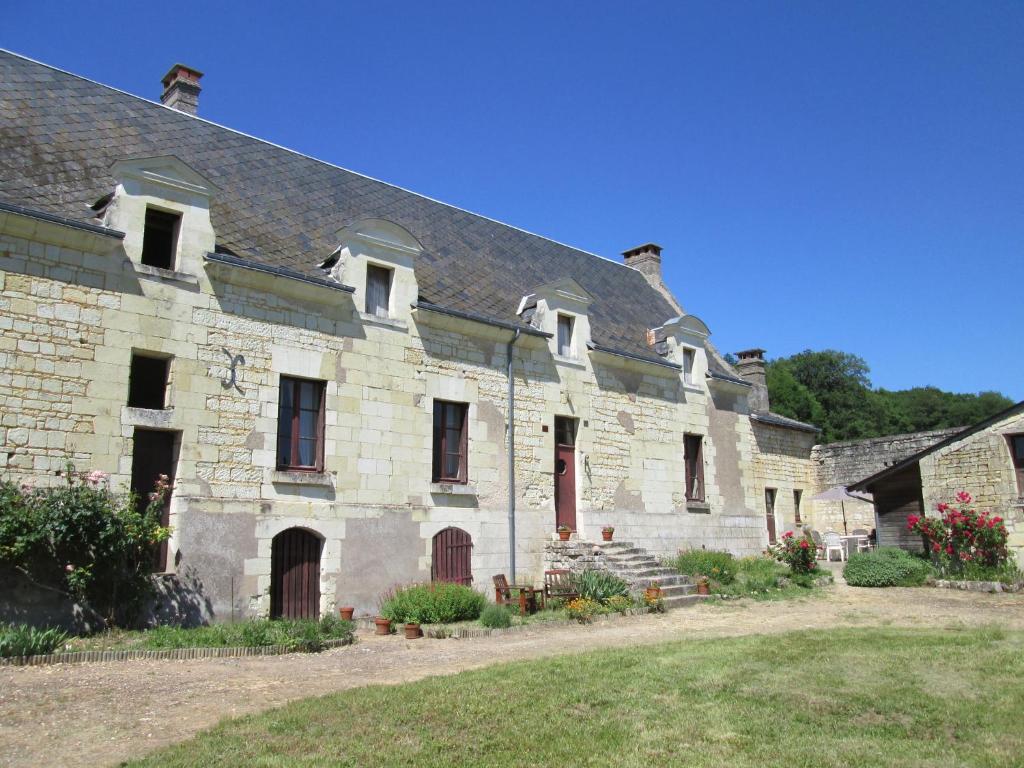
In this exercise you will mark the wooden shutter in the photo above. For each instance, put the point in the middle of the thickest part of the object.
(452, 557)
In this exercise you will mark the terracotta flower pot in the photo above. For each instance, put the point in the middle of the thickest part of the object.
(413, 631)
(703, 588)
(346, 613)
(653, 593)
(383, 626)
(607, 535)
(564, 535)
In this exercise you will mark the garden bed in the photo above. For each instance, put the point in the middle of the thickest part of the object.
(174, 654)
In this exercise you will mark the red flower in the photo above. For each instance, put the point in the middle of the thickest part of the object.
(803, 544)
(964, 497)
(787, 535)
(936, 547)
(949, 549)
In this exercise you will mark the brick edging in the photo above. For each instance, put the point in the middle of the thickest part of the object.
(173, 654)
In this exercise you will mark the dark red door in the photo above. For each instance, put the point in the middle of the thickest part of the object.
(769, 506)
(565, 472)
(152, 456)
(452, 557)
(295, 575)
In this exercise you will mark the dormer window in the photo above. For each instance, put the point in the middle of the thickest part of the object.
(689, 355)
(160, 238)
(378, 290)
(565, 328)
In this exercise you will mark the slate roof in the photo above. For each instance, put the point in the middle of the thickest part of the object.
(60, 134)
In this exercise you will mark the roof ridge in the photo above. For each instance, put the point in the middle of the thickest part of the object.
(318, 160)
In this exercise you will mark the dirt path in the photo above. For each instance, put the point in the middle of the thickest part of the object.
(98, 714)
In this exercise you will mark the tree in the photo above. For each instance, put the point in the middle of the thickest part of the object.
(831, 389)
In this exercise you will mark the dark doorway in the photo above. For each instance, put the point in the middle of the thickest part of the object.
(769, 513)
(295, 575)
(565, 472)
(452, 557)
(153, 454)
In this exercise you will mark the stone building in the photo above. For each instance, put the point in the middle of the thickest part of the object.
(985, 459)
(351, 385)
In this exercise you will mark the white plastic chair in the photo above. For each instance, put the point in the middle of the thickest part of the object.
(833, 542)
(863, 543)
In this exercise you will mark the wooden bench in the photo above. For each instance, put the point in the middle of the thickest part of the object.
(558, 585)
(526, 599)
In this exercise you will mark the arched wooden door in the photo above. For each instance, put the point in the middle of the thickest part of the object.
(295, 575)
(452, 557)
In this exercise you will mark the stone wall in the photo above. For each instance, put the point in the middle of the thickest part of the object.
(783, 462)
(72, 313)
(844, 463)
(981, 465)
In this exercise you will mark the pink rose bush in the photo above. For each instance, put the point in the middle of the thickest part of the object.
(798, 553)
(962, 535)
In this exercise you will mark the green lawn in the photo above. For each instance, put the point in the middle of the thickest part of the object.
(852, 697)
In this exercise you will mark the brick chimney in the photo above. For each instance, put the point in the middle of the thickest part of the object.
(181, 89)
(646, 258)
(751, 368)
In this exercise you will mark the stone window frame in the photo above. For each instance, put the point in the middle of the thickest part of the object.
(441, 446)
(798, 496)
(689, 360)
(694, 467)
(1015, 444)
(293, 429)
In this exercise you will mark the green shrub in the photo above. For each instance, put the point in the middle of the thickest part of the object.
(299, 634)
(23, 640)
(496, 617)
(583, 609)
(886, 567)
(717, 566)
(759, 574)
(84, 540)
(599, 586)
(434, 603)
(619, 603)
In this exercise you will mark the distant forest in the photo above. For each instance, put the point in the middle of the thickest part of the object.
(832, 390)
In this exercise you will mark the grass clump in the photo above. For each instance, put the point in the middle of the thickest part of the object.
(434, 603)
(862, 697)
(719, 567)
(886, 567)
(23, 640)
(496, 617)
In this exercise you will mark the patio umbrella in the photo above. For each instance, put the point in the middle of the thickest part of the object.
(841, 494)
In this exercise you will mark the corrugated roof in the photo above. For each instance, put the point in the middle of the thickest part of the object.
(61, 133)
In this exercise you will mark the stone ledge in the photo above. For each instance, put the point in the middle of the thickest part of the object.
(386, 322)
(977, 586)
(300, 478)
(147, 417)
(698, 507)
(165, 275)
(454, 489)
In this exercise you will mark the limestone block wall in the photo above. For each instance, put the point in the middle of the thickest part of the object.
(71, 316)
(980, 464)
(782, 461)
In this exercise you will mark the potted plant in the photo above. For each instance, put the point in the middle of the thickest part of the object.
(347, 612)
(703, 585)
(564, 532)
(383, 626)
(653, 592)
(412, 630)
(607, 532)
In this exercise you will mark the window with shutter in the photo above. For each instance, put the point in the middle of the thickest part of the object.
(1017, 453)
(378, 290)
(688, 357)
(300, 425)
(451, 442)
(693, 454)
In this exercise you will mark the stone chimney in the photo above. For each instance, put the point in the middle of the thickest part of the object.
(181, 89)
(751, 368)
(646, 258)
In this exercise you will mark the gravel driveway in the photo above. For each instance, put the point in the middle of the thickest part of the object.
(99, 714)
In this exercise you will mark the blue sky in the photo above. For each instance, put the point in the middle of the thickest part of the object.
(821, 175)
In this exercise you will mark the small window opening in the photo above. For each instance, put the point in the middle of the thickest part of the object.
(688, 357)
(451, 443)
(378, 290)
(160, 238)
(565, 323)
(693, 458)
(147, 382)
(796, 507)
(1017, 454)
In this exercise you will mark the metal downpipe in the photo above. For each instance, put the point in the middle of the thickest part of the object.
(511, 460)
